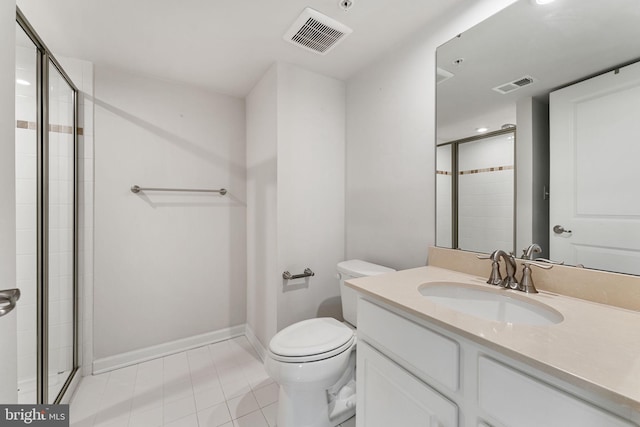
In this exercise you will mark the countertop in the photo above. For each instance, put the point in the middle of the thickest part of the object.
(596, 346)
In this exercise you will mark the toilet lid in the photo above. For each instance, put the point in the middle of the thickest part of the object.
(311, 337)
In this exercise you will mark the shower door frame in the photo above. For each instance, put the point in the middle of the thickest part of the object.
(44, 59)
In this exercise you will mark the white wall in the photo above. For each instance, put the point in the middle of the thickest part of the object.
(8, 371)
(263, 281)
(295, 179)
(311, 199)
(391, 146)
(168, 266)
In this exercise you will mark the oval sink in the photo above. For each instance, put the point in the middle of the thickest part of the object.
(497, 305)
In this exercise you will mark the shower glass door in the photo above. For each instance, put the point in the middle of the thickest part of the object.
(26, 144)
(46, 221)
(61, 231)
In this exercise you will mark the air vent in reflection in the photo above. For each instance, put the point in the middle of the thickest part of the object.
(514, 85)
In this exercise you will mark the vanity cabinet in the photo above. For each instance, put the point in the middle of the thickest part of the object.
(533, 403)
(388, 395)
(414, 373)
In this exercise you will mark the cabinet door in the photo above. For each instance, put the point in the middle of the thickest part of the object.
(390, 396)
(518, 400)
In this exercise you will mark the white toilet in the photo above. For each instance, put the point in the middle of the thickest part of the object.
(314, 361)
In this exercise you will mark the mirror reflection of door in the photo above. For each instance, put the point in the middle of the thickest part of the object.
(595, 147)
(477, 177)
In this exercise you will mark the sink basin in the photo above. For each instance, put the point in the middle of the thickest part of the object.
(490, 304)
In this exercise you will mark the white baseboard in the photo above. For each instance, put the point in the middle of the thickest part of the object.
(110, 363)
(255, 342)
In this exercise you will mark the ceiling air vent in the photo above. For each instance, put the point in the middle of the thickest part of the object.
(316, 32)
(514, 85)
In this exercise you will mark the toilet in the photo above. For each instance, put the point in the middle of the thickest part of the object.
(314, 361)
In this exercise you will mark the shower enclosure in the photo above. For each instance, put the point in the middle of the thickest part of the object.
(46, 220)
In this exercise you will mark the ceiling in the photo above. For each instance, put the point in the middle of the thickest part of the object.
(556, 44)
(222, 46)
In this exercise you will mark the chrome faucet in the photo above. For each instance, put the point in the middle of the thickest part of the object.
(532, 249)
(510, 264)
(510, 282)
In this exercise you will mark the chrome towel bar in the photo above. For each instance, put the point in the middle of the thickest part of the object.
(136, 189)
(307, 273)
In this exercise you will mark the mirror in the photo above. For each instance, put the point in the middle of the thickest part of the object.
(514, 68)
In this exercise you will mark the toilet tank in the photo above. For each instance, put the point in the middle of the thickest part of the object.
(352, 269)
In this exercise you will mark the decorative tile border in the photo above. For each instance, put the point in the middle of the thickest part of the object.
(23, 124)
(493, 169)
(474, 171)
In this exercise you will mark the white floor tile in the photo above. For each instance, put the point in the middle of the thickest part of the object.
(179, 409)
(242, 405)
(177, 389)
(267, 395)
(254, 419)
(236, 388)
(110, 412)
(204, 381)
(209, 397)
(207, 386)
(146, 418)
(190, 421)
(112, 419)
(148, 399)
(270, 413)
(214, 416)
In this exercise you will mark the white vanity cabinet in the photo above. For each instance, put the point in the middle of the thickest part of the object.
(413, 373)
(388, 395)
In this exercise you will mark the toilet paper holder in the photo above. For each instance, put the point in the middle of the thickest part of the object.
(307, 273)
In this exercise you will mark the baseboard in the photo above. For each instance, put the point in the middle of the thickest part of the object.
(149, 353)
(255, 342)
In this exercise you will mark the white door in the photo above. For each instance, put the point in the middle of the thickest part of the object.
(594, 185)
(8, 346)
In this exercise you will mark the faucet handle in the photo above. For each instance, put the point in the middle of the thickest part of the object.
(526, 284)
(495, 278)
(542, 265)
(548, 261)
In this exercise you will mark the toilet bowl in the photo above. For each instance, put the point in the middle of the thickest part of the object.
(314, 360)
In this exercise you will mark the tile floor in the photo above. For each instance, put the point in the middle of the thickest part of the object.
(222, 384)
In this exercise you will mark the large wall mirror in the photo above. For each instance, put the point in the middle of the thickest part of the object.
(566, 74)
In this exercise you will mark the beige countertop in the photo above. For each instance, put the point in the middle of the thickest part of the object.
(596, 347)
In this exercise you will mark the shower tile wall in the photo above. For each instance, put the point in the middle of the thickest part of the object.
(486, 194)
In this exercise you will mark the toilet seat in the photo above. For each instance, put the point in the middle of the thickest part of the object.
(311, 340)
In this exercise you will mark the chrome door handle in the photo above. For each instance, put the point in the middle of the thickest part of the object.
(558, 229)
(8, 300)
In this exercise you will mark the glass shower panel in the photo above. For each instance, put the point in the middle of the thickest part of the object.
(26, 219)
(61, 231)
(486, 194)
